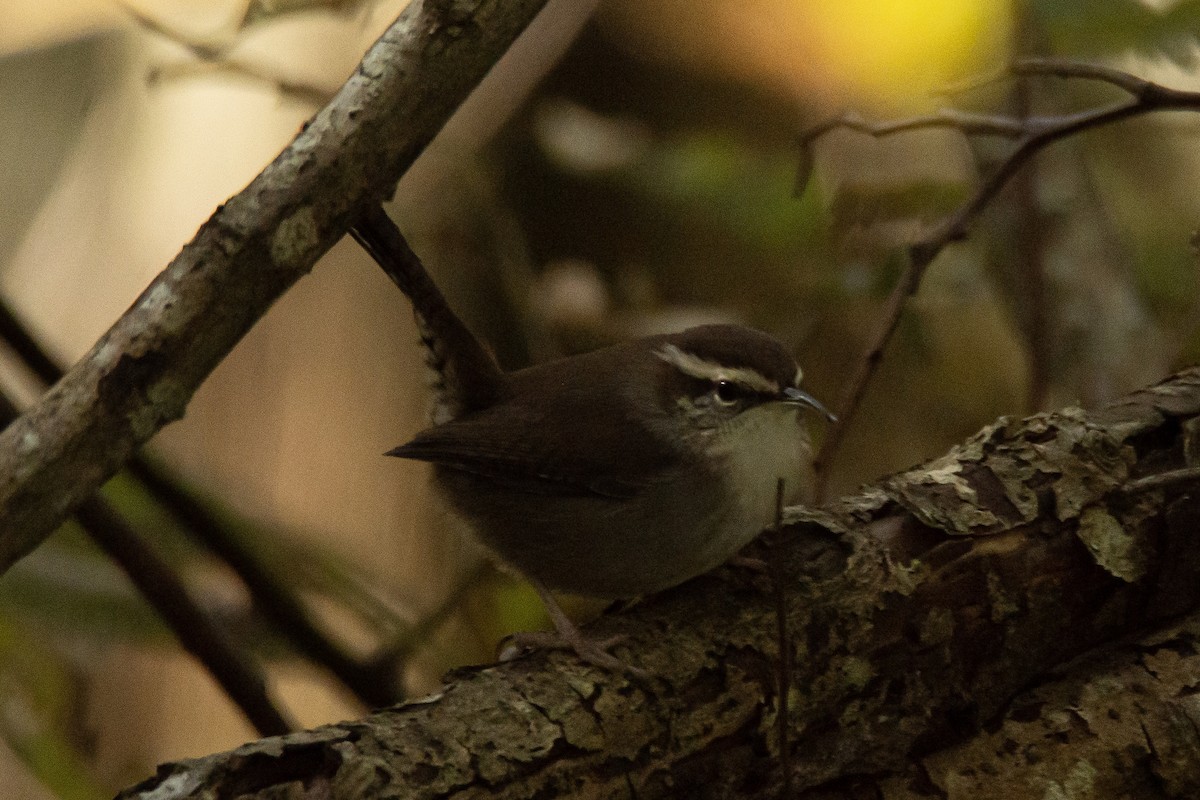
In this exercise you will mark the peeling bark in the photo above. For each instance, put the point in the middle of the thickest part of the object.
(918, 610)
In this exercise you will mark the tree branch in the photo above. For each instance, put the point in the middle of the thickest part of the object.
(1123, 722)
(143, 372)
(917, 611)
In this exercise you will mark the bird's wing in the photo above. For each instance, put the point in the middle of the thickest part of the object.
(527, 452)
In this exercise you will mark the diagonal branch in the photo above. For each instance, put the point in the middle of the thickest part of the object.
(239, 677)
(237, 674)
(144, 370)
(1031, 136)
(371, 682)
(374, 685)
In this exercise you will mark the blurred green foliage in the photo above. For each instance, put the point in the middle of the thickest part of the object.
(39, 711)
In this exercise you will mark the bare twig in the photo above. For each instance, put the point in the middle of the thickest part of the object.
(261, 10)
(1162, 480)
(158, 583)
(1030, 136)
(212, 57)
(965, 121)
(8, 409)
(210, 50)
(784, 668)
(1028, 286)
(313, 94)
(393, 654)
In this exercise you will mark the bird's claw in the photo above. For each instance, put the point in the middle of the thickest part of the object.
(590, 651)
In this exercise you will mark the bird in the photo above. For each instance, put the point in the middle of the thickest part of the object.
(610, 474)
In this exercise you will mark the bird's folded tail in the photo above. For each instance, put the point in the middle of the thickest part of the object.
(465, 376)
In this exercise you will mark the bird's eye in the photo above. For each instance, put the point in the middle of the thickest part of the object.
(728, 392)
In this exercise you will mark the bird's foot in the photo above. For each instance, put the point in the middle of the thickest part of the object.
(566, 636)
(591, 651)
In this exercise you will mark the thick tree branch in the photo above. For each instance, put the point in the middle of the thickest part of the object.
(917, 611)
(143, 372)
(1123, 723)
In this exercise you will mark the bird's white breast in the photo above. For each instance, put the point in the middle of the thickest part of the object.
(760, 447)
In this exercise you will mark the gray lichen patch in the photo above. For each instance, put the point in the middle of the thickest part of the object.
(628, 723)
(523, 735)
(957, 505)
(1176, 397)
(1017, 490)
(359, 776)
(856, 673)
(1078, 784)
(1089, 461)
(1121, 552)
(296, 239)
(1191, 442)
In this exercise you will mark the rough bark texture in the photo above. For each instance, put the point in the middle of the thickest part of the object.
(1124, 723)
(917, 610)
(143, 372)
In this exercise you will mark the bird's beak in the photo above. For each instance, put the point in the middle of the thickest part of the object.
(799, 397)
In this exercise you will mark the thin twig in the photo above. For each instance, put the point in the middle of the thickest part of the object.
(212, 50)
(391, 655)
(1030, 136)
(8, 409)
(1065, 68)
(965, 121)
(212, 56)
(1162, 480)
(301, 91)
(1029, 238)
(784, 676)
(158, 583)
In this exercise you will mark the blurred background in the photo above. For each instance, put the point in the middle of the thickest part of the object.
(631, 167)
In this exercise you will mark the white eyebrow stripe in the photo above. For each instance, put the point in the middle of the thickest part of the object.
(706, 370)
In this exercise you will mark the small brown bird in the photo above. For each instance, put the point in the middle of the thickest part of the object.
(614, 473)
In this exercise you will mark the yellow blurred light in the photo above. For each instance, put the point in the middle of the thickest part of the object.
(896, 54)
